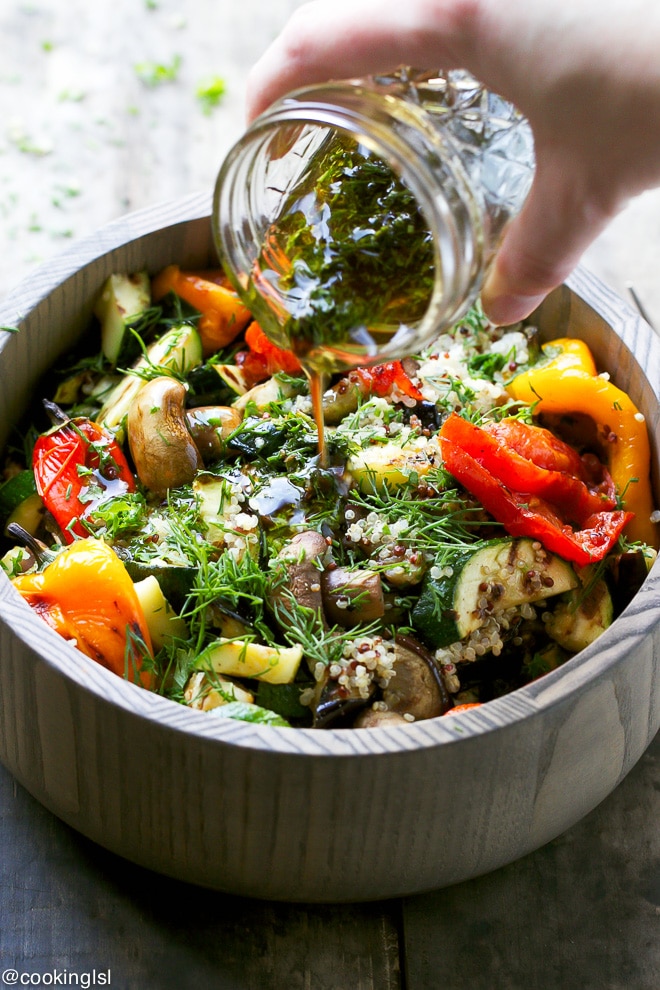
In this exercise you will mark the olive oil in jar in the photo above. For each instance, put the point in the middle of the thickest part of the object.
(351, 260)
(357, 219)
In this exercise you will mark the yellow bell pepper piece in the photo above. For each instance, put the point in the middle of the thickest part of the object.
(86, 595)
(573, 353)
(569, 384)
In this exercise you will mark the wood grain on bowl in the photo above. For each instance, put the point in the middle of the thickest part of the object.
(287, 814)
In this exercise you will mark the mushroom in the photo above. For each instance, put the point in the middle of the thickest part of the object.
(210, 426)
(417, 687)
(301, 559)
(162, 448)
(352, 597)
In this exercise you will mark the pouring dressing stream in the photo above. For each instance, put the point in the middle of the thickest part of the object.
(356, 220)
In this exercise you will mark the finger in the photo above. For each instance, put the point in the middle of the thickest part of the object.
(343, 40)
(544, 243)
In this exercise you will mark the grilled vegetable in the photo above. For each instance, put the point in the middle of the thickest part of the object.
(391, 466)
(275, 664)
(516, 505)
(86, 595)
(263, 359)
(580, 617)
(479, 582)
(77, 467)
(178, 350)
(162, 621)
(560, 389)
(207, 691)
(20, 503)
(222, 317)
(162, 448)
(122, 300)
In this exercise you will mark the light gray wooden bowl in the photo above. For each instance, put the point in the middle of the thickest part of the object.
(307, 815)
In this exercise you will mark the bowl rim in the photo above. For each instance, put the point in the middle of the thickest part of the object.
(559, 687)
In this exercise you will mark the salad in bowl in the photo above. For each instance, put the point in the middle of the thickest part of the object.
(484, 513)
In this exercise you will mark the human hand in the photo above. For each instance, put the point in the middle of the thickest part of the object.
(585, 73)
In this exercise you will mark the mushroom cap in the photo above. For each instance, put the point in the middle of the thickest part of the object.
(210, 426)
(164, 452)
(351, 598)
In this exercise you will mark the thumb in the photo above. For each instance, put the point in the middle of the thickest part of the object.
(543, 244)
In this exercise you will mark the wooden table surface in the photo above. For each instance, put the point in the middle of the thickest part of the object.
(100, 116)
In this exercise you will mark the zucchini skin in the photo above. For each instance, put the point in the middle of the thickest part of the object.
(434, 616)
(175, 581)
(14, 492)
(492, 577)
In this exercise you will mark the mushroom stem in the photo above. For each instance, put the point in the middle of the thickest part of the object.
(301, 563)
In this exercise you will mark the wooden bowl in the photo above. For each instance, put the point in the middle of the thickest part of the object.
(304, 815)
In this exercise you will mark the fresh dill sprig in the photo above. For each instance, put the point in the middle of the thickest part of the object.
(304, 625)
(437, 524)
(148, 369)
(238, 583)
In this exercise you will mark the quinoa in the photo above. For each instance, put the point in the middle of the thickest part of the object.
(367, 662)
(488, 638)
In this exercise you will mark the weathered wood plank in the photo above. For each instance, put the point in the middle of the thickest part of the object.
(583, 913)
(67, 904)
(85, 139)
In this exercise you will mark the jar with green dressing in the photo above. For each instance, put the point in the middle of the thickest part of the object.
(357, 219)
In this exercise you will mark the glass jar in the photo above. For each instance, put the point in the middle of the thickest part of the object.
(464, 155)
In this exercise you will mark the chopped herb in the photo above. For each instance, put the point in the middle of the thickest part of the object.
(245, 712)
(155, 73)
(352, 255)
(210, 94)
(487, 365)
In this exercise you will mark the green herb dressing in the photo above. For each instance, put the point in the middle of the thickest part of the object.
(351, 259)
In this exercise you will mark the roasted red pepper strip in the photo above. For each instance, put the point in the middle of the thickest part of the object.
(277, 358)
(530, 516)
(567, 388)
(538, 445)
(264, 359)
(386, 379)
(78, 466)
(527, 472)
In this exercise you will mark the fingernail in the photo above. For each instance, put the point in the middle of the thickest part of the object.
(503, 307)
(508, 309)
